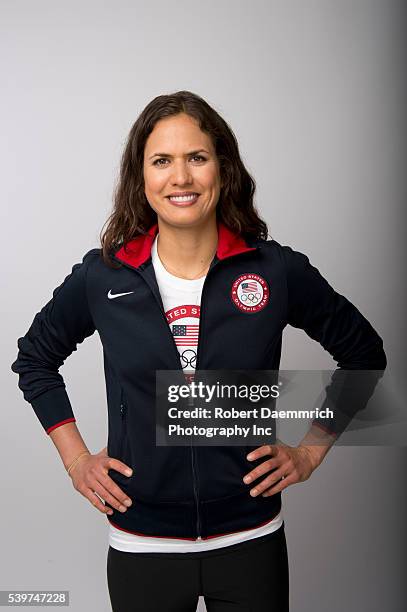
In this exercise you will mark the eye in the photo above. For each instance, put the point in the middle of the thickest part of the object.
(159, 160)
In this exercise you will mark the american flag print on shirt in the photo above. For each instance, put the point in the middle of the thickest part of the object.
(184, 324)
(185, 335)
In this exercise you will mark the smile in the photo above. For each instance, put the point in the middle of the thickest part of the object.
(183, 200)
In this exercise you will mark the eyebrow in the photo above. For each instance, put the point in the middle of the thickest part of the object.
(168, 154)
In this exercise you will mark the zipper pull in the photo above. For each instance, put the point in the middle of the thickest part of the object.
(122, 409)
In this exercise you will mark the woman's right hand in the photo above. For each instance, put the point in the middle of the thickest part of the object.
(90, 477)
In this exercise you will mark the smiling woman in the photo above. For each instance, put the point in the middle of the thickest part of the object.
(186, 280)
(180, 145)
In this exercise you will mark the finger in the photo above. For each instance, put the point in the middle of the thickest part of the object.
(114, 490)
(119, 466)
(95, 501)
(267, 482)
(280, 486)
(261, 469)
(262, 451)
(107, 497)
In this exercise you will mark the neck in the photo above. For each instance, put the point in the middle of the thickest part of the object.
(187, 250)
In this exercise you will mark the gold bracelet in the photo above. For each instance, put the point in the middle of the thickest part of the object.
(75, 461)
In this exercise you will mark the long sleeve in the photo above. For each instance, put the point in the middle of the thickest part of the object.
(330, 318)
(334, 322)
(61, 324)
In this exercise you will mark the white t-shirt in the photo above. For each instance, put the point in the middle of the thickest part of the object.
(181, 299)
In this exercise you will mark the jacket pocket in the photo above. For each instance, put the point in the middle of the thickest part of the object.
(122, 450)
(123, 426)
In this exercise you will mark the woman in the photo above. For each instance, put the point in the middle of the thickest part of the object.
(169, 291)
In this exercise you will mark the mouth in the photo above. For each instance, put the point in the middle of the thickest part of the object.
(183, 200)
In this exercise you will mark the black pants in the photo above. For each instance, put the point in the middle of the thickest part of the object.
(251, 576)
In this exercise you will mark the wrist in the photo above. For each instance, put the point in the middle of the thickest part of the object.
(316, 454)
(73, 463)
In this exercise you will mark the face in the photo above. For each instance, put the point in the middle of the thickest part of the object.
(180, 159)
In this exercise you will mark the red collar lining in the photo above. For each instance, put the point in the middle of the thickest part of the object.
(138, 250)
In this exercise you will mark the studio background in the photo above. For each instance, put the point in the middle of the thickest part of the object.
(315, 93)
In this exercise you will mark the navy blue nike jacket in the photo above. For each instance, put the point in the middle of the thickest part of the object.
(253, 289)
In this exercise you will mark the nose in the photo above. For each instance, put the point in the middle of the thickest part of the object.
(181, 174)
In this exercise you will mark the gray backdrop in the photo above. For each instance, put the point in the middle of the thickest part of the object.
(315, 93)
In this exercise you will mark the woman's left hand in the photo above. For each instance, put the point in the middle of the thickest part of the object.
(288, 465)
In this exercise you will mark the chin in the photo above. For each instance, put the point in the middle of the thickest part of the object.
(184, 217)
(182, 221)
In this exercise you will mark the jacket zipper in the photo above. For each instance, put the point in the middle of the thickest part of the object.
(194, 478)
(193, 462)
(123, 410)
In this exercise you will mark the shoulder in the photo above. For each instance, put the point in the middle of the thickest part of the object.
(93, 253)
(288, 256)
(89, 259)
(92, 256)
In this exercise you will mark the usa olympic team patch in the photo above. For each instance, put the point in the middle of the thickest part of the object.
(250, 292)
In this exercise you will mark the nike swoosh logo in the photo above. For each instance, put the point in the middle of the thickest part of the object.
(111, 295)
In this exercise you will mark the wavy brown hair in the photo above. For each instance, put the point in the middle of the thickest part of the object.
(132, 214)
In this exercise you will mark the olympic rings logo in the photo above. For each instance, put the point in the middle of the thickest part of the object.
(251, 297)
(188, 358)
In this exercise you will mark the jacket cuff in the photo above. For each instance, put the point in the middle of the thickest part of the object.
(53, 408)
(328, 430)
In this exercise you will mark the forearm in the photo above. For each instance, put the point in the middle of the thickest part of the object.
(68, 442)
